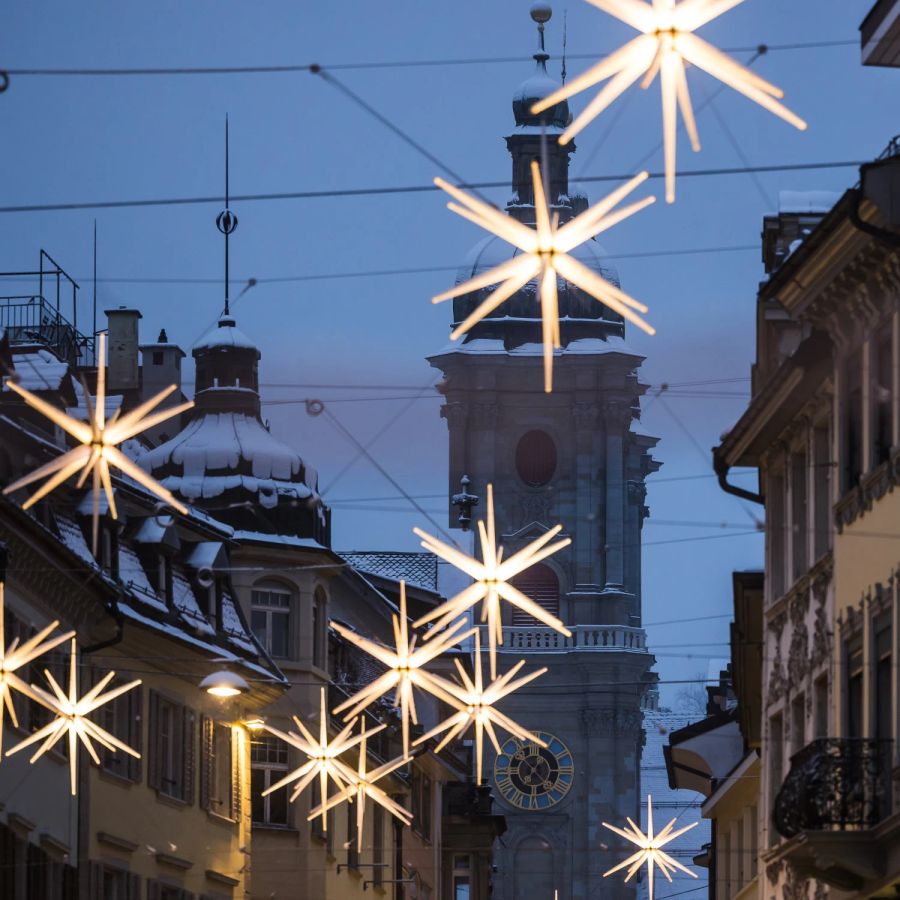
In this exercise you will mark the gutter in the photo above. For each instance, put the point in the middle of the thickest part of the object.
(721, 468)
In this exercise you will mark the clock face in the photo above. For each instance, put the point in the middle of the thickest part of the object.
(531, 776)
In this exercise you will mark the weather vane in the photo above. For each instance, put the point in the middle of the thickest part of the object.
(226, 222)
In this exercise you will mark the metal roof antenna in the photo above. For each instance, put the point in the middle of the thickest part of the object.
(226, 222)
(565, 22)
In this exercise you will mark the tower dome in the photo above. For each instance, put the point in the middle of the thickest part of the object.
(225, 460)
(535, 88)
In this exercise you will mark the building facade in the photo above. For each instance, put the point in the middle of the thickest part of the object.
(822, 428)
(575, 457)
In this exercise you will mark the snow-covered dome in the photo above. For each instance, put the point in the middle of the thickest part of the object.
(225, 334)
(576, 308)
(226, 460)
(535, 88)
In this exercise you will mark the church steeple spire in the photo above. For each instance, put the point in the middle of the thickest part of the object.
(226, 222)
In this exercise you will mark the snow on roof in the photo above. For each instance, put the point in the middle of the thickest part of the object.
(578, 347)
(219, 441)
(268, 490)
(807, 201)
(72, 536)
(205, 554)
(132, 574)
(419, 569)
(39, 370)
(225, 334)
(233, 626)
(671, 804)
(184, 600)
(151, 531)
(80, 411)
(86, 504)
(284, 540)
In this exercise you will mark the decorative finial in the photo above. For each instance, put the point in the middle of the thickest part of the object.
(565, 34)
(541, 13)
(226, 221)
(464, 501)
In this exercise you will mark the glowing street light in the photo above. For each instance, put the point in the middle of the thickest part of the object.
(98, 440)
(650, 849)
(491, 575)
(667, 42)
(545, 254)
(72, 720)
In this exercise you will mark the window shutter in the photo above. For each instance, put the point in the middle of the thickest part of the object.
(95, 881)
(136, 735)
(207, 751)
(236, 762)
(189, 727)
(154, 745)
(152, 890)
(134, 887)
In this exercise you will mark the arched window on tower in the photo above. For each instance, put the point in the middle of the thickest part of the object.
(540, 584)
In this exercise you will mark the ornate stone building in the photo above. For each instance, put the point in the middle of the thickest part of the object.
(577, 457)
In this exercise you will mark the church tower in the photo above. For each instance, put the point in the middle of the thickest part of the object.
(576, 457)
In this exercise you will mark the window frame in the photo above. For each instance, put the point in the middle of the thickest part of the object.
(273, 771)
(270, 612)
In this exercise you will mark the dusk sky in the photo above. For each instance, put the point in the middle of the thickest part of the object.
(85, 139)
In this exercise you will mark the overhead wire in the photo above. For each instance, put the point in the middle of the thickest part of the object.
(724, 171)
(140, 71)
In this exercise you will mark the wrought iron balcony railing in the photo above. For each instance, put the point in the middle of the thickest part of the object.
(835, 784)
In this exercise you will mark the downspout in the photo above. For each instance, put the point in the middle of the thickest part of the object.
(721, 469)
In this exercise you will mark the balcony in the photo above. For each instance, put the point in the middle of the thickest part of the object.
(591, 638)
(834, 808)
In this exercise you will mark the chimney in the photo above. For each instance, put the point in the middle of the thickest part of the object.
(122, 368)
(160, 367)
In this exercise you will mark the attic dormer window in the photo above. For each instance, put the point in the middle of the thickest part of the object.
(164, 588)
(109, 548)
(157, 357)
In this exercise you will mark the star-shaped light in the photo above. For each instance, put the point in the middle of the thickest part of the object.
(545, 255)
(405, 667)
(491, 575)
(475, 705)
(650, 851)
(14, 657)
(98, 440)
(321, 756)
(72, 719)
(666, 43)
(362, 785)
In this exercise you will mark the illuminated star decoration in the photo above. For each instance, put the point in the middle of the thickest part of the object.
(362, 785)
(72, 718)
(650, 851)
(14, 657)
(544, 254)
(667, 42)
(476, 707)
(98, 441)
(491, 575)
(321, 756)
(405, 667)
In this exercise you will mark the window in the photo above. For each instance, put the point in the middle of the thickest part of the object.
(883, 397)
(109, 548)
(268, 765)
(122, 718)
(462, 883)
(822, 490)
(318, 628)
(539, 583)
(352, 837)
(171, 748)
(378, 862)
(798, 722)
(157, 357)
(420, 797)
(798, 515)
(160, 890)
(882, 704)
(853, 425)
(776, 757)
(220, 790)
(164, 579)
(775, 537)
(270, 615)
(853, 716)
(109, 882)
(820, 706)
(536, 458)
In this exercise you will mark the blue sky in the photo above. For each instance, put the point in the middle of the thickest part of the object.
(86, 139)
